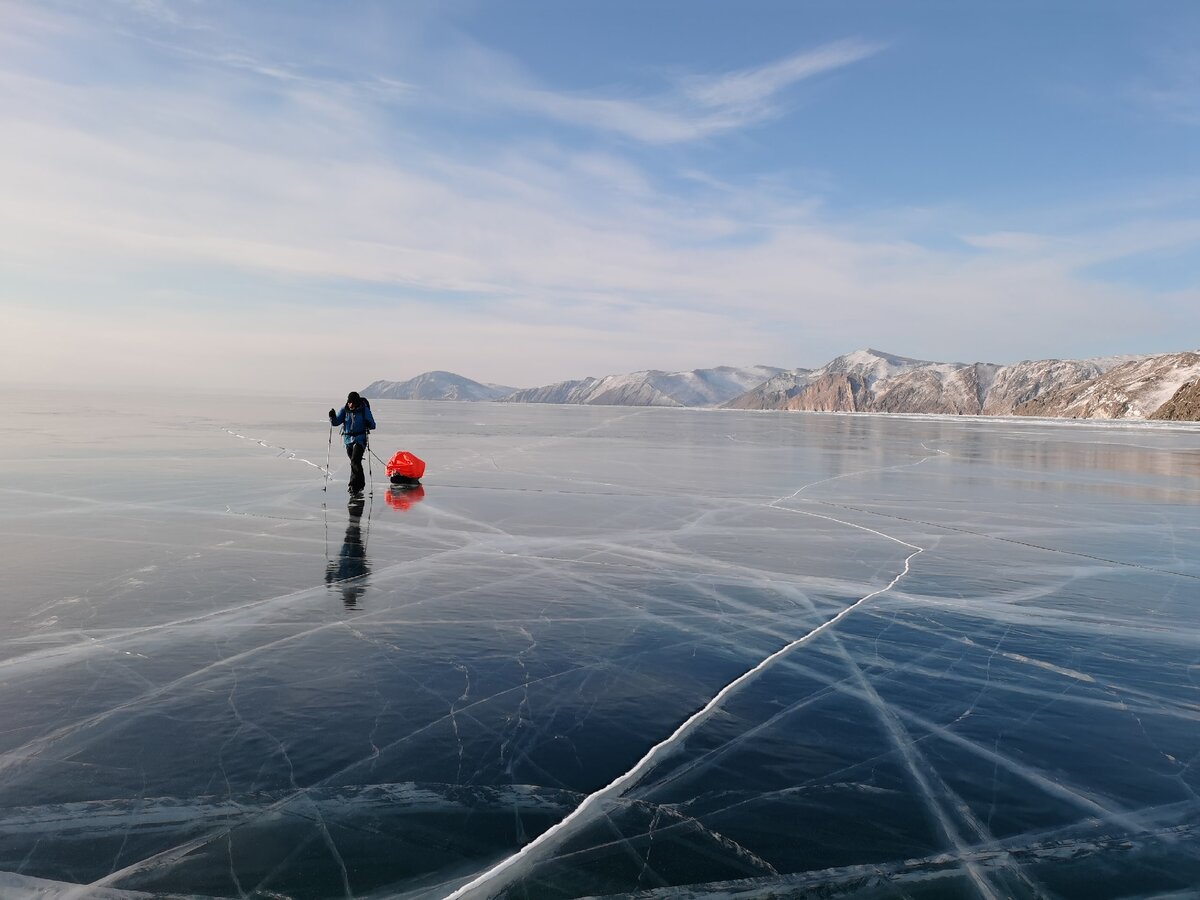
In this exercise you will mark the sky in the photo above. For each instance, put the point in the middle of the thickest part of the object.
(305, 197)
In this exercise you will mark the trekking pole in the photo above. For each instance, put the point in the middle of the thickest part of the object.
(370, 468)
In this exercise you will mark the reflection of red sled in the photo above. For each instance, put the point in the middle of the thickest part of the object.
(402, 497)
(404, 468)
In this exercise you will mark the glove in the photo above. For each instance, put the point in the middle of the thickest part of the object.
(333, 414)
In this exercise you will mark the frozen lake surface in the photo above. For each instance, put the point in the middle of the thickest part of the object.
(669, 653)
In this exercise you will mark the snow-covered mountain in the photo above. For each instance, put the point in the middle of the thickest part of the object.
(874, 381)
(873, 365)
(435, 386)
(844, 384)
(772, 393)
(1132, 390)
(1026, 380)
(947, 388)
(699, 387)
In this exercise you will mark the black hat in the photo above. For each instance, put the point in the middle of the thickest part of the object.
(353, 397)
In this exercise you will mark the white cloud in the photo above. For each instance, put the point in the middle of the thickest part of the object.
(745, 92)
(639, 120)
(528, 264)
(699, 106)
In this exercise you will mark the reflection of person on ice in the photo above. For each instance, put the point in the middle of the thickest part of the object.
(348, 574)
(357, 422)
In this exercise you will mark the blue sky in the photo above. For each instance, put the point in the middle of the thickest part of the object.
(309, 196)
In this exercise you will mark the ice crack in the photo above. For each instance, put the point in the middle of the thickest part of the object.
(503, 873)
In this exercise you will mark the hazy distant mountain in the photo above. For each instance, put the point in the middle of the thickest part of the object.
(699, 387)
(560, 392)
(874, 381)
(436, 386)
(1132, 390)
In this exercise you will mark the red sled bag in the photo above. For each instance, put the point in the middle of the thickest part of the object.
(404, 468)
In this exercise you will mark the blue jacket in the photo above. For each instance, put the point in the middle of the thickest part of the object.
(355, 424)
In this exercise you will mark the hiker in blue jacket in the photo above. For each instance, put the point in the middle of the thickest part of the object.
(357, 422)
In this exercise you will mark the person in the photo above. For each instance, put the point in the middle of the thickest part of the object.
(357, 422)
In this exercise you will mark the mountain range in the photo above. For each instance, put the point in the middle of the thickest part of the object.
(699, 387)
(1165, 386)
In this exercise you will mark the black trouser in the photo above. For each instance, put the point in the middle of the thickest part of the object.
(357, 479)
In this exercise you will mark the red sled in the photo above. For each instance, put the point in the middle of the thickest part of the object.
(404, 468)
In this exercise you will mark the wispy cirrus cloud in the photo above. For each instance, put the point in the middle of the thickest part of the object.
(696, 106)
(749, 92)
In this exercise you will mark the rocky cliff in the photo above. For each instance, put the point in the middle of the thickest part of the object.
(1024, 381)
(948, 389)
(844, 384)
(774, 393)
(1133, 390)
(831, 392)
(1184, 406)
(874, 381)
